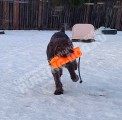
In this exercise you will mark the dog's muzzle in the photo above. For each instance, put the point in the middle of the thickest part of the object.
(66, 53)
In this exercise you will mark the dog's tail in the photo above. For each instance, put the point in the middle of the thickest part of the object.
(62, 29)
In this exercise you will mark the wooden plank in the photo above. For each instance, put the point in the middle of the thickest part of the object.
(5, 14)
(87, 13)
(118, 19)
(16, 15)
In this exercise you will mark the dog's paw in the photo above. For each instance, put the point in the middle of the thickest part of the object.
(58, 92)
(75, 79)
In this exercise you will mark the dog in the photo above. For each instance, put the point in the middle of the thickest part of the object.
(61, 45)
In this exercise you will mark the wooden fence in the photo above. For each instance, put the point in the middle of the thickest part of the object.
(42, 14)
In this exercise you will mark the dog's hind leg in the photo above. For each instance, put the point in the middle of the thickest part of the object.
(59, 88)
(72, 66)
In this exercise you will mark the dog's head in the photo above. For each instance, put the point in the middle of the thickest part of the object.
(63, 47)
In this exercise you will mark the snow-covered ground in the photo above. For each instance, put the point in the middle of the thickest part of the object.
(27, 86)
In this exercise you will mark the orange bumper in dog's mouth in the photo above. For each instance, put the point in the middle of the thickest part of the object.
(57, 62)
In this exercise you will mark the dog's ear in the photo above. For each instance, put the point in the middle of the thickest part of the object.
(62, 29)
(52, 49)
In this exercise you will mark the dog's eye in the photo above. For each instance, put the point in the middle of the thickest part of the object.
(58, 48)
(68, 43)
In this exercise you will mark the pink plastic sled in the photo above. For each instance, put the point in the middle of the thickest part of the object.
(83, 32)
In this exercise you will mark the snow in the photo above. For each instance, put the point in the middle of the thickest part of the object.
(27, 86)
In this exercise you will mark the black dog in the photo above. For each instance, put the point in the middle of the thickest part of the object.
(61, 45)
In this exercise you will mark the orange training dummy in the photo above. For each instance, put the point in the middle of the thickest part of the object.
(57, 62)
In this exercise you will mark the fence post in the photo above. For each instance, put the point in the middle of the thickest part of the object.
(16, 15)
(118, 19)
(5, 14)
(40, 21)
(88, 11)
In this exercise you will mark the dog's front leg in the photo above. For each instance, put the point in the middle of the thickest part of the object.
(72, 66)
(57, 74)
